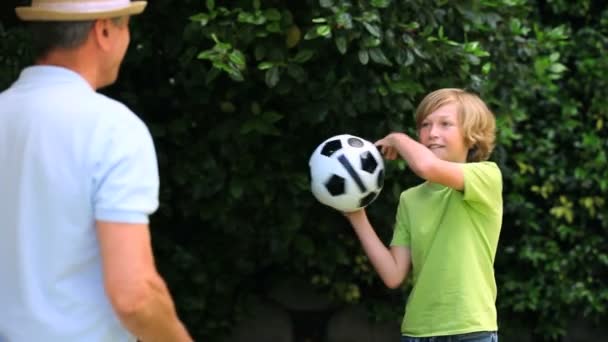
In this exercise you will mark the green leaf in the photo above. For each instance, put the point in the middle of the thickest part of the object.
(378, 56)
(207, 54)
(274, 27)
(371, 42)
(210, 5)
(271, 117)
(238, 58)
(272, 14)
(341, 44)
(212, 75)
(363, 57)
(558, 68)
(272, 77)
(383, 91)
(472, 59)
(372, 29)
(326, 3)
(486, 68)
(235, 74)
(409, 60)
(251, 18)
(344, 21)
(266, 65)
(411, 26)
(380, 3)
(403, 86)
(311, 34)
(303, 56)
(202, 18)
(324, 30)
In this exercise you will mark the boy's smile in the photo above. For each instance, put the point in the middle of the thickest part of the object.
(435, 146)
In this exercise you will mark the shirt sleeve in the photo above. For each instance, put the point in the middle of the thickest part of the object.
(125, 176)
(483, 185)
(401, 233)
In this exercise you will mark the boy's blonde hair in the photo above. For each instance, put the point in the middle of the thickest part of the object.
(475, 119)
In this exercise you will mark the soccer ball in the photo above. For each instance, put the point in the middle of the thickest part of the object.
(347, 172)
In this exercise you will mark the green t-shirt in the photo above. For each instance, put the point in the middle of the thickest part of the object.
(452, 236)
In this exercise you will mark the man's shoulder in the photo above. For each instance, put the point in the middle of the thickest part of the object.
(111, 110)
(111, 105)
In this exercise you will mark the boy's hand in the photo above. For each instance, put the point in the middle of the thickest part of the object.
(387, 148)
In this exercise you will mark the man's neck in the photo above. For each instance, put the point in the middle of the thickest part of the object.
(74, 60)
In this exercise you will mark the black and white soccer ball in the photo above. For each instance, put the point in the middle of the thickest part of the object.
(347, 172)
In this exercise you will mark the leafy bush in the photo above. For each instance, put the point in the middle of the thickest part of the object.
(238, 94)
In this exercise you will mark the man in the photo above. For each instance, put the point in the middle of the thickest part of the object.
(78, 179)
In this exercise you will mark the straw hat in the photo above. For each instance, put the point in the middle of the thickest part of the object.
(77, 10)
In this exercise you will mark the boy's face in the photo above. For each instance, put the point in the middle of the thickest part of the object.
(441, 133)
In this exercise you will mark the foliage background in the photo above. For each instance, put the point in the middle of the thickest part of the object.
(238, 94)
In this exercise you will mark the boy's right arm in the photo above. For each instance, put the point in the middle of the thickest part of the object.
(392, 264)
(137, 292)
(422, 161)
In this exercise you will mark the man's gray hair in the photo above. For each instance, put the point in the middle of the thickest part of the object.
(49, 35)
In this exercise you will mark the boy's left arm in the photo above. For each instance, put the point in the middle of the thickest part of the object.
(422, 161)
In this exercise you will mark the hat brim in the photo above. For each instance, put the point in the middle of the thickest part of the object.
(37, 14)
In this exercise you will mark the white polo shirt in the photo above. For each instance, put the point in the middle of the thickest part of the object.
(68, 156)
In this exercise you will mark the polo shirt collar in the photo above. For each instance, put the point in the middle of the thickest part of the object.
(50, 74)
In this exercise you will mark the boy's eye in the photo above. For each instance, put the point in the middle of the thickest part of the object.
(424, 124)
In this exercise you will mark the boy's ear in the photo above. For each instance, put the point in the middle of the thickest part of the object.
(472, 153)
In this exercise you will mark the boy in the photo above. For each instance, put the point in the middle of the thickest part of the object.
(447, 228)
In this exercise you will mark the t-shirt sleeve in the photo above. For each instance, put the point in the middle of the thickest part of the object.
(401, 233)
(483, 185)
(125, 174)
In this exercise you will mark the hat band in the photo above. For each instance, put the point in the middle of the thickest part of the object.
(82, 6)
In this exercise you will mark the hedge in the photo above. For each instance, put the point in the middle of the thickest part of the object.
(238, 94)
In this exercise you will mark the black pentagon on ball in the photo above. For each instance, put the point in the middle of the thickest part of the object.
(368, 162)
(365, 201)
(335, 185)
(380, 179)
(331, 147)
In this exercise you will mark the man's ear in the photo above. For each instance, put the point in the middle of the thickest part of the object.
(101, 32)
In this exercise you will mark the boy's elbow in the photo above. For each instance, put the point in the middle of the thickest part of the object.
(392, 283)
(424, 167)
(395, 279)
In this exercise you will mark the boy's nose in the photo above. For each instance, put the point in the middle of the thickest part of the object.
(433, 132)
